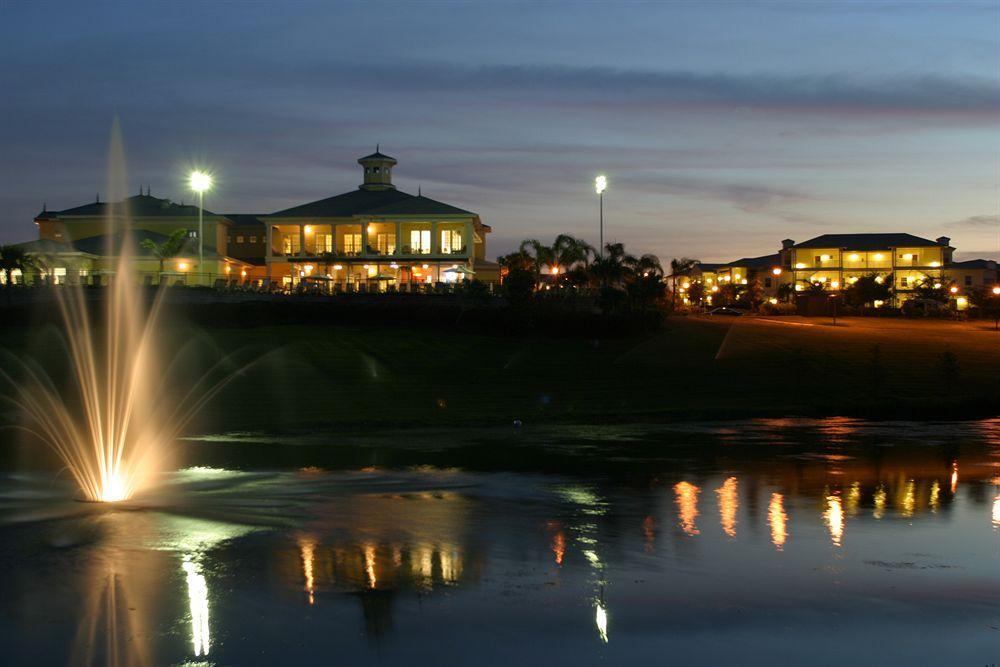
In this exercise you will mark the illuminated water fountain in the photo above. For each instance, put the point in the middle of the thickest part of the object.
(117, 422)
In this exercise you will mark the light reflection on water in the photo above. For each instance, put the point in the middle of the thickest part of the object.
(277, 566)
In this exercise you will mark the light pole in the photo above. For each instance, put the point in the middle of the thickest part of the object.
(600, 185)
(201, 181)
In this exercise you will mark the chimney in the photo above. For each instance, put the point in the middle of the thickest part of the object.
(787, 243)
(943, 240)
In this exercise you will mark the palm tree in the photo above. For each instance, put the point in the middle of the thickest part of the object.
(169, 249)
(612, 269)
(681, 266)
(13, 258)
(563, 255)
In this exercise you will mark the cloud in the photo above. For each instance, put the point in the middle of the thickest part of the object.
(988, 220)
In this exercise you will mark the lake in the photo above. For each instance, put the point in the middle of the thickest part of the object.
(762, 542)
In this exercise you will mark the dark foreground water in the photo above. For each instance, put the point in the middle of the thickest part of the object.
(777, 542)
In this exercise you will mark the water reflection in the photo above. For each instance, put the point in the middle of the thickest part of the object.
(687, 506)
(834, 518)
(729, 504)
(778, 520)
(601, 620)
(307, 547)
(197, 589)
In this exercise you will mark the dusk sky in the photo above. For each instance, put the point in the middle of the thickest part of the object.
(722, 127)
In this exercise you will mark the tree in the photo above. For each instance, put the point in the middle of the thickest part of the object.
(786, 292)
(868, 289)
(680, 267)
(13, 258)
(933, 289)
(169, 249)
(988, 303)
(564, 254)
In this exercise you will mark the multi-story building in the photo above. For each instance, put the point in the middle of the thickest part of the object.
(373, 237)
(377, 235)
(835, 261)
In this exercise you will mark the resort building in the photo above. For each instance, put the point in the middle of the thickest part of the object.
(835, 261)
(75, 245)
(373, 238)
(376, 236)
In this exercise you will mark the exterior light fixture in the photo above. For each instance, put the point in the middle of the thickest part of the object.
(394, 266)
(337, 267)
(182, 266)
(425, 266)
(996, 290)
(824, 258)
(600, 185)
(937, 285)
(953, 290)
(243, 273)
(879, 257)
(879, 279)
(554, 270)
(853, 257)
(776, 271)
(773, 301)
(835, 284)
(961, 301)
(715, 288)
(687, 284)
(200, 181)
(743, 282)
(308, 228)
(935, 264)
(800, 265)
(229, 269)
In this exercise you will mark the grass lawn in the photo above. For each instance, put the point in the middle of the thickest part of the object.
(696, 367)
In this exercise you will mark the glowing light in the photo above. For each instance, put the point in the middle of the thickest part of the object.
(182, 266)
(798, 288)
(649, 531)
(114, 487)
(200, 181)
(394, 266)
(954, 476)
(996, 512)
(879, 257)
(198, 605)
(425, 266)
(687, 506)
(908, 256)
(601, 620)
(559, 547)
(715, 288)
(854, 498)
(800, 265)
(996, 290)
(370, 565)
(935, 264)
(834, 519)
(773, 301)
(229, 269)
(835, 284)
(935, 499)
(961, 302)
(854, 257)
(909, 498)
(879, 279)
(878, 303)
(307, 229)
(600, 184)
(371, 229)
(937, 285)
(779, 521)
(880, 497)
(307, 548)
(953, 289)
(824, 258)
(686, 284)
(729, 504)
(743, 282)
(338, 267)
(554, 270)
(243, 273)
(776, 271)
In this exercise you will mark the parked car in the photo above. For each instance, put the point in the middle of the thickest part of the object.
(726, 310)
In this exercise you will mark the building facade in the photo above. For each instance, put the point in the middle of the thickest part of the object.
(373, 238)
(833, 262)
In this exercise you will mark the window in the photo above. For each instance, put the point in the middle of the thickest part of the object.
(903, 281)
(59, 275)
(239, 239)
(385, 242)
(192, 233)
(767, 282)
(420, 241)
(290, 244)
(968, 281)
(451, 241)
(253, 239)
(352, 243)
(324, 243)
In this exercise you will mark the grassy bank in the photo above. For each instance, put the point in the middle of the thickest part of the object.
(694, 368)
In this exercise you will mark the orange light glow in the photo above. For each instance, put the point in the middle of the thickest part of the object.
(307, 549)
(559, 547)
(834, 519)
(954, 476)
(687, 506)
(779, 521)
(370, 565)
(776, 271)
(729, 504)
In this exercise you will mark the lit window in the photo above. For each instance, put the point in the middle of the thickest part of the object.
(239, 239)
(451, 241)
(253, 239)
(420, 241)
(352, 243)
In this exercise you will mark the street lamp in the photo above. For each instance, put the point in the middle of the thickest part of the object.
(201, 181)
(600, 185)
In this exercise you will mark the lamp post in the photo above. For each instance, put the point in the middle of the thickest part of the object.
(600, 185)
(201, 181)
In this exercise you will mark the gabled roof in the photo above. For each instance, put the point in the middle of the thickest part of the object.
(48, 247)
(973, 264)
(764, 261)
(867, 241)
(98, 245)
(246, 219)
(139, 206)
(370, 202)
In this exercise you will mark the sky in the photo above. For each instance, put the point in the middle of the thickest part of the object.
(722, 127)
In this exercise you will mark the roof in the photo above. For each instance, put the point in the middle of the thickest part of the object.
(377, 155)
(47, 247)
(973, 264)
(139, 206)
(246, 219)
(757, 262)
(370, 202)
(867, 241)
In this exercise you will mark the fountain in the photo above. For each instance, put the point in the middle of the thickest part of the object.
(119, 424)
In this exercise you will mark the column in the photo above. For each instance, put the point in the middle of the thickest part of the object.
(399, 239)
(364, 237)
(302, 239)
(435, 239)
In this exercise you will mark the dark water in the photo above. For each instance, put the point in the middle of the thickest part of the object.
(778, 542)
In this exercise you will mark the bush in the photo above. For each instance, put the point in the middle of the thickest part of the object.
(779, 308)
